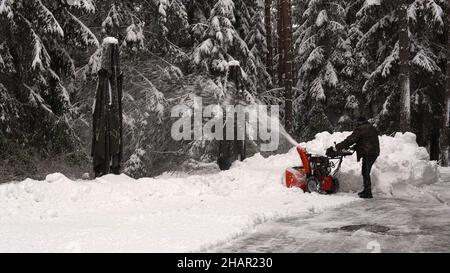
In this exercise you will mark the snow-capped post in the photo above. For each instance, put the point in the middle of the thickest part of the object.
(405, 100)
(107, 117)
(445, 130)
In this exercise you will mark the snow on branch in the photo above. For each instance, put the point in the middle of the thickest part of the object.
(317, 91)
(154, 98)
(87, 5)
(322, 18)
(5, 8)
(368, 4)
(438, 13)
(384, 69)
(112, 19)
(426, 62)
(224, 8)
(51, 24)
(135, 36)
(308, 44)
(315, 58)
(378, 26)
(432, 12)
(162, 7)
(203, 49)
(330, 76)
(36, 100)
(88, 37)
(336, 26)
(40, 53)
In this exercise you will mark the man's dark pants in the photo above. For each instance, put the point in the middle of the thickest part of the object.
(367, 163)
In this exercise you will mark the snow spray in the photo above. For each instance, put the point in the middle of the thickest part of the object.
(287, 136)
(282, 131)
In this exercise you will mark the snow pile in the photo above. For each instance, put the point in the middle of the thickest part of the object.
(402, 164)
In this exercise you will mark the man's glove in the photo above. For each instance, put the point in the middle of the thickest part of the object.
(331, 151)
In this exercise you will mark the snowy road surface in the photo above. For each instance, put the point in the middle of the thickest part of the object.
(417, 223)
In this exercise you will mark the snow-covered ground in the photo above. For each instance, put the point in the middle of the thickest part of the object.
(187, 213)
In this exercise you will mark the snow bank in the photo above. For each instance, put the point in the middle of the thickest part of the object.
(402, 164)
(179, 214)
(118, 213)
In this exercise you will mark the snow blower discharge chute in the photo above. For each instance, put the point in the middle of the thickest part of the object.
(316, 174)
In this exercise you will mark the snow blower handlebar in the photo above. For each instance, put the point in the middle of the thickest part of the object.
(333, 153)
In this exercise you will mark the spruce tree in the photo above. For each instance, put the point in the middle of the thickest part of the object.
(320, 55)
(36, 40)
(221, 45)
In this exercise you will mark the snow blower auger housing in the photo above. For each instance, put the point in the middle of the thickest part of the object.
(316, 174)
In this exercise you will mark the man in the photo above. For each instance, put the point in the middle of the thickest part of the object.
(367, 147)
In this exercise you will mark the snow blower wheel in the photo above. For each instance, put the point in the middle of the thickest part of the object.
(312, 185)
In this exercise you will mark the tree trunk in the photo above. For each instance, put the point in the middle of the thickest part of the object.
(434, 144)
(280, 42)
(444, 134)
(287, 62)
(405, 100)
(268, 23)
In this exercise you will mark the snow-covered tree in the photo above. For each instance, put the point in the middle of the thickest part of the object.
(321, 56)
(221, 44)
(257, 43)
(156, 25)
(36, 38)
(378, 21)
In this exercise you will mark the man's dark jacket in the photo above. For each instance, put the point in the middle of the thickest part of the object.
(365, 136)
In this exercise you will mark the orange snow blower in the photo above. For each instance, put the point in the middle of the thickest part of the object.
(316, 174)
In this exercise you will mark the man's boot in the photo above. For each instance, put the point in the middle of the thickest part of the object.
(366, 194)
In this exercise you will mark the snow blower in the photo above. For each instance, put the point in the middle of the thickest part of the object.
(316, 174)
